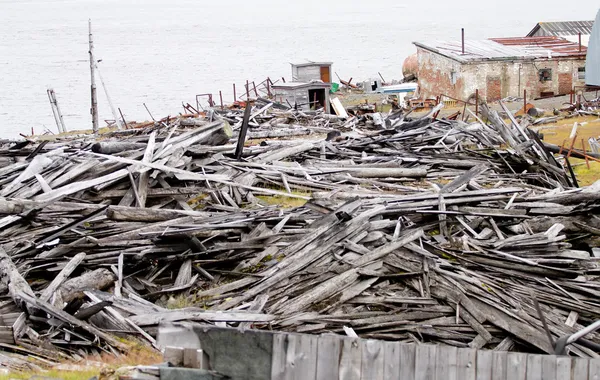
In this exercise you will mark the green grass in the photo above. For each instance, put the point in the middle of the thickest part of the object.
(54, 374)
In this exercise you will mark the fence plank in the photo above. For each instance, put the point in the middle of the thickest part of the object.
(549, 367)
(580, 368)
(328, 357)
(446, 368)
(467, 364)
(425, 362)
(306, 358)
(372, 360)
(534, 367)
(516, 366)
(594, 373)
(499, 365)
(391, 361)
(351, 358)
(292, 352)
(563, 368)
(484, 365)
(407, 361)
(279, 355)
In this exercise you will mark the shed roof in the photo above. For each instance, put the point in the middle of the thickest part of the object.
(563, 28)
(497, 49)
(312, 64)
(299, 85)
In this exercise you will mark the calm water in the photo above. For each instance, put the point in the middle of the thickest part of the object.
(164, 52)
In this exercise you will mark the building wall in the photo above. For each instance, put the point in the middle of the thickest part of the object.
(298, 96)
(307, 73)
(495, 80)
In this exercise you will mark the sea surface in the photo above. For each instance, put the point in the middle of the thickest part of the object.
(163, 53)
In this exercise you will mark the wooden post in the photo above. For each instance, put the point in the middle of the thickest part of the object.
(58, 117)
(476, 101)
(94, 109)
(524, 102)
(255, 92)
(221, 97)
(123, 118)
(269, 87)
(587, 161)
(234, 95)
(239, 150)
(462, 38)
(572, 145)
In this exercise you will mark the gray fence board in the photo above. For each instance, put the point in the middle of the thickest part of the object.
(372, 360)
(466, 364)
(408, 354)
(306, 357)
(534, 367)
(391, 360)
(425, 360)
(484, 365)
(563, 368)
(516, 366)
(446, 363)
(351, 359)
(328, 357)
(594, 370)
(278, 361)
(549, 367)
(499, 365)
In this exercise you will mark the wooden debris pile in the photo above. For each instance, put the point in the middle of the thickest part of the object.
(436, 231)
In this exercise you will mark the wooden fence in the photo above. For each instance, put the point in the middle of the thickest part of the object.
(251, 355)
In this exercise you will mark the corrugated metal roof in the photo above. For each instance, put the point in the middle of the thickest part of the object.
(561, 28)
(506, 49)
(592, 64)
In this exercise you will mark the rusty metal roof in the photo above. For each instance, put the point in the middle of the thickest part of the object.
(497, 49)
(562, 28)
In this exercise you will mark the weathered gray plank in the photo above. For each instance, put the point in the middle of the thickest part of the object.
(407, 361)
(499, 365)
(563, 368)
(580, 368)
(425, 362)
(328, 356)
(484, 365)
(391, 360)
(516, 366)
(372, 360)
(306, 358)
(446, 363)
(549, 367)
(467, 364)
(594, 370)
(534, 367)
(350, 359)
(279, 356)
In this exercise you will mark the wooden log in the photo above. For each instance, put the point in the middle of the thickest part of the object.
(98, 279)
(112, 147)
(14, 281)
(131, 214)
(62, 276)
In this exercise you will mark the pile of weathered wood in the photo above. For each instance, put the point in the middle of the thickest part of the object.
(425, 230)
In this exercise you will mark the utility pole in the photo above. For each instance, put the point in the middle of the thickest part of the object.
(94, 109)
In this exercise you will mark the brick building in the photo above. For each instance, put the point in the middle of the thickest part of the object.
(500, 67)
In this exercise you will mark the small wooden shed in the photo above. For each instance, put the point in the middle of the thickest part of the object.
(303, 95)
(307, 72)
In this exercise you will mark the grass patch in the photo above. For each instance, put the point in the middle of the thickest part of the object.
(55, 374)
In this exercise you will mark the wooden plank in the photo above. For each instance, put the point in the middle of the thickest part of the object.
(484, 365)
(306, 357)
(446, 363)
(516, 366)
(563, 367)
(425, 362)
(408, 354)
(594, 370)
(391, 360)
(580, 368)
(466, 364)
(372, 360)
(279, 356)
(328, 356)
(62, 276)
(534, 367)
(350, 359)
(499, 365)
(549, 367)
